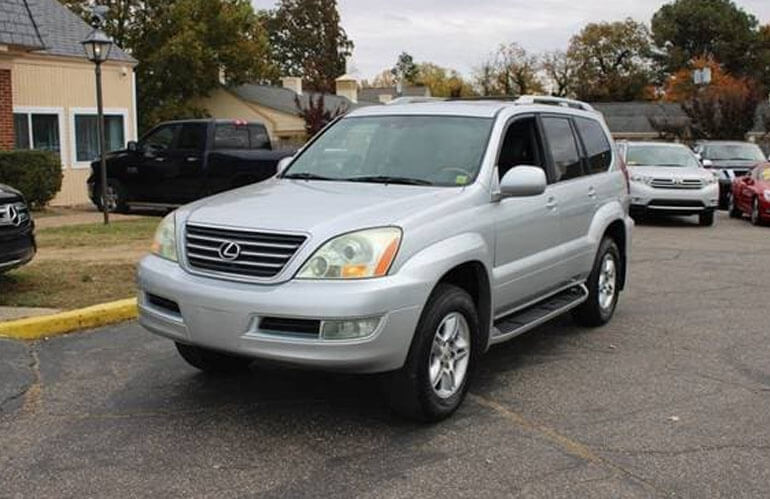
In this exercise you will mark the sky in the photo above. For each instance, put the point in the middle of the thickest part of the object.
(460, 34)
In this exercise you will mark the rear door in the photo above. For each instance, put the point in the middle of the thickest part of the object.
(575, 191)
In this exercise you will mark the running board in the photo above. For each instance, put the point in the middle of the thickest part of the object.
(543, 311)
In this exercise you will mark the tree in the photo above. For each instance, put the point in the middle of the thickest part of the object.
(405, 70)
(383, 79)
(442, 82)
(687, 29)
(183, 47)
(308, 41)
(561, 72)
(612, 61)
(316, 114)
(510, 71)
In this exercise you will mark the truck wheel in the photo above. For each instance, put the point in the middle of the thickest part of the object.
(732, 210)
(706, 219)
(211, 361)
(603, 287)
(433, 382)
(116, 197)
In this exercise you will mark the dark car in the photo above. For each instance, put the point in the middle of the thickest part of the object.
(729, 160)
(17, 230)
(181, 161)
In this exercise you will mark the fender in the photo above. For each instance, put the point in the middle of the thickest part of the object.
(604, 217)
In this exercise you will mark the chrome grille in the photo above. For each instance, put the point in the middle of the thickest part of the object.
(679, 183)
(13, 216)
(239, 252)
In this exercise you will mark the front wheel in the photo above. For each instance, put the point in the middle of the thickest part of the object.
(115, 199)
(706, 219)
(433, 382)
(756, 217)
(603, 287)
(211, 361)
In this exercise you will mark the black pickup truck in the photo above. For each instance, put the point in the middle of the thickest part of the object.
(17, 230)
(180, 161)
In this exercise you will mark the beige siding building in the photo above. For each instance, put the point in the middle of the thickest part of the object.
(52, 98)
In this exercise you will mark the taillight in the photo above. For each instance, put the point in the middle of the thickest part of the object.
(624, 169)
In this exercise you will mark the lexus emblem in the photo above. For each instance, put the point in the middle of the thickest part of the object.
(229, 251)
(13, 215)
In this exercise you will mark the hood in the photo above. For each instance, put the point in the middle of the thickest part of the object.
(8, 193)
(317, 207)
(734, 163)
(670, 172)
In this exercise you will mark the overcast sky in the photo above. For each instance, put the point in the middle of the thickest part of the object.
(460, 33)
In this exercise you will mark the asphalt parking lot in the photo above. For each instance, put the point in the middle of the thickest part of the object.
(671, 399)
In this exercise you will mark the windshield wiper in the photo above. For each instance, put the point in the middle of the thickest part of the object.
(386, 179)
(307, 176)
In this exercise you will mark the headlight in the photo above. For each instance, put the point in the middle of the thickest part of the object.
(642, 179)
(164, 243)
(767, 196)
(358, 255)
(711, 179)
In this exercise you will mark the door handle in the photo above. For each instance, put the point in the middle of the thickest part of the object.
(191, 159)
(592, 192)
(551, 203)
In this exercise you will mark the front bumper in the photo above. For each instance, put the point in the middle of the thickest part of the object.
(651, 200)
(224, 315)
(17, 249)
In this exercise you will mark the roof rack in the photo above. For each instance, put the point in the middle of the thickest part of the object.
(555, 101)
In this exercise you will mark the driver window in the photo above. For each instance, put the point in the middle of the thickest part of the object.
(161, 138)
(521, 146)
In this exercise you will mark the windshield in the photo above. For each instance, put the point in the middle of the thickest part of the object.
(651, 155)
(749, 152)
(420, 150)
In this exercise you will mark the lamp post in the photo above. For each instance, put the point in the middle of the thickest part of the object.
(97, 46)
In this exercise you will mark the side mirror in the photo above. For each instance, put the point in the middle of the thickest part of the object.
(707, 163)
(132, 146)
(523, 181)
(283, 164)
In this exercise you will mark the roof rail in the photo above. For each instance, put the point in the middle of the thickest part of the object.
(555, 101)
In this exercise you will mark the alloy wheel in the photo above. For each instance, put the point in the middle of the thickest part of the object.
(450, 355)
(608, 277)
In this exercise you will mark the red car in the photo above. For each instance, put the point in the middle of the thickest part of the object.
(751, 195)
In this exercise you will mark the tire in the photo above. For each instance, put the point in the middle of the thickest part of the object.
(756, 218)
(597, 310)
(410, 390)
(732, 210)
(211, 361)
(118, 202)
(706, 219)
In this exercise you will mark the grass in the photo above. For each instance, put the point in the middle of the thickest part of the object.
(67, 283)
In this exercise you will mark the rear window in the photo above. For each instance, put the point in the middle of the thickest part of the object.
(240, 136)
(598, 150)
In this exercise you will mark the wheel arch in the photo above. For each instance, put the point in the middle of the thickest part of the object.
(617, 232)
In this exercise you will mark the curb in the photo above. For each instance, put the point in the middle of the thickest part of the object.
(35, 328)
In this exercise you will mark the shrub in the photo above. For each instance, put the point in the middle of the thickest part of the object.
(37, 174)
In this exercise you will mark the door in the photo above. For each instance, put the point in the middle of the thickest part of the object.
(746, 190)
(185, 165)
(527, 228)
(575, 192)
(148, 174)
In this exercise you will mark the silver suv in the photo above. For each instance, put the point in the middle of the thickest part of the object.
(403, 239)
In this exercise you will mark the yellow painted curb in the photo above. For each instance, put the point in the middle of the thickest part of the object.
(35, 328)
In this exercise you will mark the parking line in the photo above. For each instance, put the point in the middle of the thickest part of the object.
(565, 443)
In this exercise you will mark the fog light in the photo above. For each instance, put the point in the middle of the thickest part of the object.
(349, 329)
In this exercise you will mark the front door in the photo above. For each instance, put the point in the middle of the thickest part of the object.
(147, 172)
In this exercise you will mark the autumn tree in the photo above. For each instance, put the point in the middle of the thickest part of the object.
(308, 41)
(612, 61)
(315, 112)
(561, 73)
(443, 82)
(509, 71)
(684, 30)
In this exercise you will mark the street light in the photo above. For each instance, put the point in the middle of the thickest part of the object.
(97, 47)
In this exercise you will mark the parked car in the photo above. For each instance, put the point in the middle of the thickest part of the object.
(751, 195)
(667, 179)
(17, 230)
(403, 239)
(181, 161)
(729, 160)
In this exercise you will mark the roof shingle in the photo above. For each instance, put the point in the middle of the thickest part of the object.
(17, 26)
